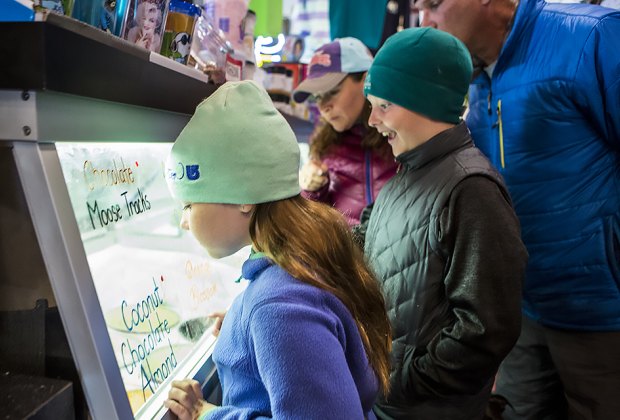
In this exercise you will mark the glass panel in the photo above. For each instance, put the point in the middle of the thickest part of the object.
(154, 283)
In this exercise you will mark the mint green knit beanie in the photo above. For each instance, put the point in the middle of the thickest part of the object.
(424, 70)
(236, 149)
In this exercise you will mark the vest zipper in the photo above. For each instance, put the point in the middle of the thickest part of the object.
(398, 173)
(369, 197)
(501, 133)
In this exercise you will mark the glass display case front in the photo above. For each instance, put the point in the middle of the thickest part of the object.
(90, 235)
(154, 284)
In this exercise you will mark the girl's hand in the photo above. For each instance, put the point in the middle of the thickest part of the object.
(313, 175)
(218, 322)
(185, 400)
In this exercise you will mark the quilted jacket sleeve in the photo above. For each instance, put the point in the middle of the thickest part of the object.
(598, 78)
(322, 194)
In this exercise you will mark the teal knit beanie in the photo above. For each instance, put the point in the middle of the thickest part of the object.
(424, 70)
(236, 149)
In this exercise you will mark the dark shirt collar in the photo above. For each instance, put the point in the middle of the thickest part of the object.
(358, 130)
(438, 146)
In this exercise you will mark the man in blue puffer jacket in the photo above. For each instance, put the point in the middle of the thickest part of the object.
(545, 108)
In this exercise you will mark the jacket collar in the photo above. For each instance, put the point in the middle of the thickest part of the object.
(354, 134)
(254, 265)
(358, 129)
(525, 16)
(444, 143)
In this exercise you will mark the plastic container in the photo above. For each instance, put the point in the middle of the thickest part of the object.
(229, 16)
(106, 15)
(56, 6)
(180, 23)
(143, 24)
(249, 24)
(209, 50)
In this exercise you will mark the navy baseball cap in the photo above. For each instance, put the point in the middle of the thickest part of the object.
(330, 64)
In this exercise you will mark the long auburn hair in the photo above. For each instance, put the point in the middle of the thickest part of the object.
(286, 231)
(326, 136)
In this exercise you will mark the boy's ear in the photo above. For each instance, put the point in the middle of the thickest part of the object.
(246, 208)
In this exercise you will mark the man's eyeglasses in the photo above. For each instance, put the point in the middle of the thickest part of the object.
(427, 4)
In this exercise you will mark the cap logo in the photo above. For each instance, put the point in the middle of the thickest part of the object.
(321, 59)
(367, 83)
(192, 172)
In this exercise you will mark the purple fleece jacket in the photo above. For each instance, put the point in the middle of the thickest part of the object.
(289, 350)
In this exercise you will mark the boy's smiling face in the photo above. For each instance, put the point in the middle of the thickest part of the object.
(403, 129)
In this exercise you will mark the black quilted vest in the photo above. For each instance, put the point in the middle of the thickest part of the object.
(402, 239)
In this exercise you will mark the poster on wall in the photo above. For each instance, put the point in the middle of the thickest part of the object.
(154, 283)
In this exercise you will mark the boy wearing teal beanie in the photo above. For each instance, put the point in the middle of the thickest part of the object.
(424, 70)
(442, 236)
(307, 338)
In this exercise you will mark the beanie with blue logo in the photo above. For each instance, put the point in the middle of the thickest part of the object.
(236, 149)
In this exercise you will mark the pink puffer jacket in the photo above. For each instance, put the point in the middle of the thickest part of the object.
(355, 176)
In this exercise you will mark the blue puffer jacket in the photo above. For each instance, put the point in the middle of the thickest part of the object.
(549, 119)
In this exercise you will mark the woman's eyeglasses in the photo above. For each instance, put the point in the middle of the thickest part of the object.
(323, 98)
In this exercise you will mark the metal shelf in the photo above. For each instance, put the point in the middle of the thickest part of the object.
(67, 56)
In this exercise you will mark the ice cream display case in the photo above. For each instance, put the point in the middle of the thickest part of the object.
(87, 224)
(153, 283)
